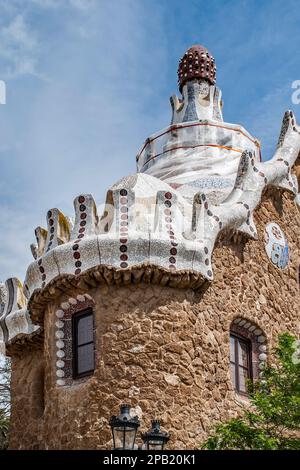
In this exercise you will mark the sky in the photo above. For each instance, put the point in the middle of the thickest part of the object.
(88, 80)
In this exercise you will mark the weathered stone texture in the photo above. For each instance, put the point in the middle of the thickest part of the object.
(27, 396)
(164, 350)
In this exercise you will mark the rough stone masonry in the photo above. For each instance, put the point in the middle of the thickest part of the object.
(201, 243)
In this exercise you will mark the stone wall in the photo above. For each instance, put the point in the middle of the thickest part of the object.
(27, 395)
(163, 350)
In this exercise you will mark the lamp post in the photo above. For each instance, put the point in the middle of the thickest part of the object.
(124, 428)
(155, 439)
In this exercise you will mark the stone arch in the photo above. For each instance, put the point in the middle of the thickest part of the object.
(63, 337)
(254, 333)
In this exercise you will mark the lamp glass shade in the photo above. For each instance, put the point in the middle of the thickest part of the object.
(155, 439)
(124, 428)
(124, 437)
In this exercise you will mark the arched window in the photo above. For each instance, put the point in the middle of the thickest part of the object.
(75, 340)
(240, 362)
(83, 343)
(247, 353)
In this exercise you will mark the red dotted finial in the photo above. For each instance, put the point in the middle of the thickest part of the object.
(197, 62)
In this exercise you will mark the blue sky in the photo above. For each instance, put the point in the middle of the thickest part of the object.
(89, 80)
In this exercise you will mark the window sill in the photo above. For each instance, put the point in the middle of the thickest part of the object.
(242, 400)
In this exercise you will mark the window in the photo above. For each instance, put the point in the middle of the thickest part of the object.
(240, 362)
(83, 343)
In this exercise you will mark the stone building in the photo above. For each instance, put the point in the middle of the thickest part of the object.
(172, 297)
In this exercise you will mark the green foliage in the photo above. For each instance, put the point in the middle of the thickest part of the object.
(273, 421)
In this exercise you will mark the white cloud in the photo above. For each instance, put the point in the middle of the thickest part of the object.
(83, 5)
(18, 47)
(47, 3)
(16, 34)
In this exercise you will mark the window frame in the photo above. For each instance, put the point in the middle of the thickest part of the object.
(75, 320)
(246, 341)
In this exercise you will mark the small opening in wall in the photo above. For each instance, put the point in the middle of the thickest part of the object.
(83, 343)
(240, 362)
(248, 353)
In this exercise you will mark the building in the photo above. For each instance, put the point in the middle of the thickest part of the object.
(172, 297)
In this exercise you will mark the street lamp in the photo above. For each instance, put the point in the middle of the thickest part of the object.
(124, 428)
(155, 439)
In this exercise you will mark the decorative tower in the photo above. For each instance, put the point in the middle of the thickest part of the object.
(195, 258)
(198, 151)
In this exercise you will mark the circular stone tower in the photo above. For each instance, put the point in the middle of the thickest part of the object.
(147, 303)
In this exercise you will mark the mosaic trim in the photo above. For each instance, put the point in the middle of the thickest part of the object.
(190, 112)
(177, 127)
(80, 235)
(197, 62)
(170, 230)
(217, 113)
(15, 323)
(51, 230)
(123, 228)
(276, 245)
(90, 246)
(251, 331)
(64, 338)
(42, 271)
(288, 115)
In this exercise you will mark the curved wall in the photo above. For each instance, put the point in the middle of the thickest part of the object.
(165, 350)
